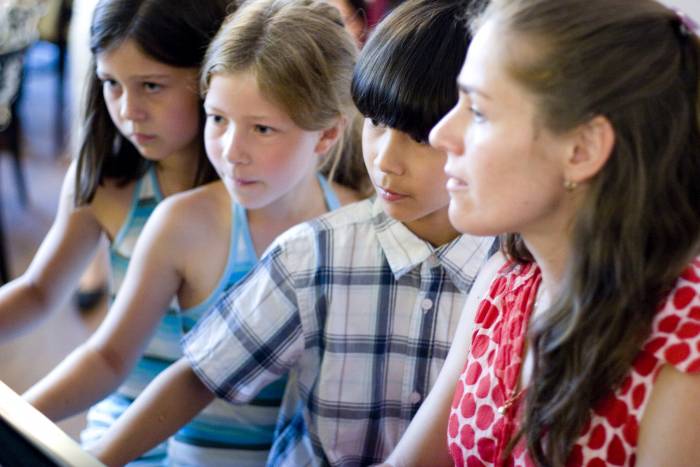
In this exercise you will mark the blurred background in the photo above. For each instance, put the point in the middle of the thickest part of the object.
(43, 62)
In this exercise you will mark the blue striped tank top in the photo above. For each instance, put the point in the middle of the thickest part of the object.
(162, 350)
(222, 434)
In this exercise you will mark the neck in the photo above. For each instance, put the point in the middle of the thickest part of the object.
(303, 203)
(176, 172)
(549, 241)
(551, 256)
(435, 228)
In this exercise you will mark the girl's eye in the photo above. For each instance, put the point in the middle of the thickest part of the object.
(109, 83)
(152, 87)
(263, 130)
(375, 123)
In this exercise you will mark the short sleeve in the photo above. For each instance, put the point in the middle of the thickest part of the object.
(252, 335)
(675, 337)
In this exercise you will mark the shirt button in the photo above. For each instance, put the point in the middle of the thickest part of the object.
(415, 397)
(432, 261)
(426, 304)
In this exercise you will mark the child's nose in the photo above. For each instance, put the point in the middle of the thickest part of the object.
(233, 146)
(389, 153)
(130, 109)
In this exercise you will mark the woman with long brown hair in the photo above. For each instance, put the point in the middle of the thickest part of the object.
(576, 136)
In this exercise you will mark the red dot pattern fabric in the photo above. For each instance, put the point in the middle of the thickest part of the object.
(478, 432)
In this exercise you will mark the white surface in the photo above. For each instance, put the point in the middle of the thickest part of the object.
(45, 435)
(689, 7)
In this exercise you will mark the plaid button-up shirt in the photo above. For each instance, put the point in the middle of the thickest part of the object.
(359, 311)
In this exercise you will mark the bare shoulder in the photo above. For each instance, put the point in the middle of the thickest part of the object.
(203, 201)
(201, 209)
(345, 195)
(674, 407)
(487, 273)
(483, 281)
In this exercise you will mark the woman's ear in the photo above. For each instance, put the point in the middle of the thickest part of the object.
(593, 144)
(329, 136)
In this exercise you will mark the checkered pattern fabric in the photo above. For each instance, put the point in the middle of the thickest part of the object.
(360, 311)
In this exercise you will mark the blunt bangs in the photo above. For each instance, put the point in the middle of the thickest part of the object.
(405, 77)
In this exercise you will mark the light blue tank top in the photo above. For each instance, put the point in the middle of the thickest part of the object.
(222, 432)
(163, 348)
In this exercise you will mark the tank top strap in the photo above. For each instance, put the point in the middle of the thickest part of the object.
(241, 259)
(147, 195)
(150, 188)
(332, 202)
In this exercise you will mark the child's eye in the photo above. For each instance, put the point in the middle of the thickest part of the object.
(152, 87)
(421, 141)
(263, 129)
(376, 123)
(109, 83)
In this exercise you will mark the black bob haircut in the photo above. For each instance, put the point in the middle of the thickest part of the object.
(405, 77)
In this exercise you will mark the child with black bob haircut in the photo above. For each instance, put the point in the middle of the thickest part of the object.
(360, 305)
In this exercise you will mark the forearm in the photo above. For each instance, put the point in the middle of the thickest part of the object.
(169, 402)
(21, 304)
(425, 441)
(85, 377)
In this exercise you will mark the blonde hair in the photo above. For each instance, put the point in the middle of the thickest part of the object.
(303, 59)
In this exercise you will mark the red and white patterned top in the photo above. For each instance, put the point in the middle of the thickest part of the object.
(478, 433)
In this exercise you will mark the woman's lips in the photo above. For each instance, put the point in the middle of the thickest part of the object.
(455, 184)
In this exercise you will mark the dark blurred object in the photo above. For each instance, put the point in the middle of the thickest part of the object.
(87, 299)
(377, 9)
(53, 28)
(29, 439)
(18, 30)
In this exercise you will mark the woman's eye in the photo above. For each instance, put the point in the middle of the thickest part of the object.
(478, 116)
(215, 119)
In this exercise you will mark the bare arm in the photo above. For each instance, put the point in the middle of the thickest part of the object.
(97, 368)
(670, 432)
(56, 268)
(425, 440)
(168, 403)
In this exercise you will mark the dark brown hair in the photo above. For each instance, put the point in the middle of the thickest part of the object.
(174, 32)
(634, 63)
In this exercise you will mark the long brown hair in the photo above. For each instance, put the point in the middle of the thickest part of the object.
(174, 32)
(635, 63)
(302, 58)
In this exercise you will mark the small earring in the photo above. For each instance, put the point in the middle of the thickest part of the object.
(570, 185)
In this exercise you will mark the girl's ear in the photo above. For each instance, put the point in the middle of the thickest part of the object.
(329, 136)
(593, 144)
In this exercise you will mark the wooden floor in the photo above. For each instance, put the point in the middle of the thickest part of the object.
(26, 359)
